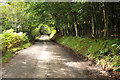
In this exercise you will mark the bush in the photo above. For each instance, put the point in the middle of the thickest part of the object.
(10, 39)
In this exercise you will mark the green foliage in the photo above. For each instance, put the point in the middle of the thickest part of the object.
(45, 29)
(7, 55)
(35, 33)
(11, 52)
(52, 33)
(103, 52)
(12, 39)
(20, 47)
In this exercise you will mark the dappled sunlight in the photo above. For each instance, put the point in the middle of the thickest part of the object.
(46, 59)
(58, 58)
(44, 55)
(73, 64)
(60, 40)
(44, 37)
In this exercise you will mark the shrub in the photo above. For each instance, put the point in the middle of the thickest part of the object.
(10, 39)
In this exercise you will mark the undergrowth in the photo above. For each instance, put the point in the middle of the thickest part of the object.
(103, 52)
(11, 39)
(11, 52)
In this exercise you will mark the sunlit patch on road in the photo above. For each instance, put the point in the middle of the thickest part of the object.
(44, 37)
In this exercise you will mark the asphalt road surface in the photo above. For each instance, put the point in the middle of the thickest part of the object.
(47, 59)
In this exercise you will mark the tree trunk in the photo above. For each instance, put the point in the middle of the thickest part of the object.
(92, 21)
(93, 27)
(68, 29)
(75, 25)
(99, 31)
(96, 26)
(82, 29)
(115, 30)
(62, 31)
(105, 22)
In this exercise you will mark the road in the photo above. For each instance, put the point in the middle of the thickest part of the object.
(47, 59)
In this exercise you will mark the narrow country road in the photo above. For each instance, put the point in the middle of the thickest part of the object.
(47, 59)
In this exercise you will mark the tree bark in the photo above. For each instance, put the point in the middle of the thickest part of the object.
(68, 29)
(93, 27)
(75, 25)
(92, 21)
(82, 29)
(105, 22)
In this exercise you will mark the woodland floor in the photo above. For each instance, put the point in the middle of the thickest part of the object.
(47, 59)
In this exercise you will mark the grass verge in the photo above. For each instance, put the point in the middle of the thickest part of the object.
(104, 52)
(11, 52)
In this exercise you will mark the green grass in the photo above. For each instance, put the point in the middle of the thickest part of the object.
(20, 47)
(106, 53)
(11, 52)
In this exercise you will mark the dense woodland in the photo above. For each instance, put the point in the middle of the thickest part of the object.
(94, 20)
